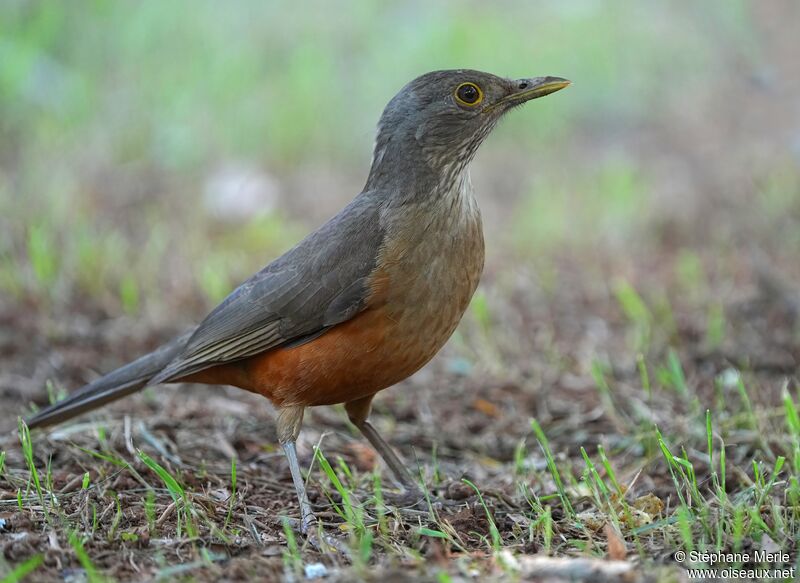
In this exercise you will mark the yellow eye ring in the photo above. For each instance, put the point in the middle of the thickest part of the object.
(468, 94)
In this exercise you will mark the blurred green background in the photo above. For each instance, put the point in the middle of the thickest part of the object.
(154, 154)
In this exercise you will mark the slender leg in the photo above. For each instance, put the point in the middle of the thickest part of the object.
(289, 422)
(358, 411)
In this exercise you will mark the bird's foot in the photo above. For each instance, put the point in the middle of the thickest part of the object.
(326, 543)
(414, 498)
(311, 530)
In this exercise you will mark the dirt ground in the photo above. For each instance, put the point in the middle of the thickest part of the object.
(465, 416)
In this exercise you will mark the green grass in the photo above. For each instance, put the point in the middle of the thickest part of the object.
(22, 570)
(33, 472)
(92, 574)
(291, 555)
(186, 511)
(552, 467)
(496, 542)
(710, 506)
(232, 500)
(350, 509)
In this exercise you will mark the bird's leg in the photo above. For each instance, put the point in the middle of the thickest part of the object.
(358, 411)
(289, 422)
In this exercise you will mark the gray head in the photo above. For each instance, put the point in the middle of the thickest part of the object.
(433, 126)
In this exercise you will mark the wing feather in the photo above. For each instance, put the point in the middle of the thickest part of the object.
(322, 281)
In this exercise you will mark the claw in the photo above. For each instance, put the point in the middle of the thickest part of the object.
(415, 498)
(325, 543)
(411, 498)
(311, 530)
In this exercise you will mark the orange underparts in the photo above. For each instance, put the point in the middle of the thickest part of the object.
(350, 361)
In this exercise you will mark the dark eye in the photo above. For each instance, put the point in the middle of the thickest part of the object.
(469, 94)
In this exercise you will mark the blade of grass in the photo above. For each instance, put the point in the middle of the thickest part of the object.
(232, 499)
(551, 465)
(493, 531)
(83, 558)
(27, 451)
(24, 569)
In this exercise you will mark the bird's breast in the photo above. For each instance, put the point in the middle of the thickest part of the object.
(428, 271)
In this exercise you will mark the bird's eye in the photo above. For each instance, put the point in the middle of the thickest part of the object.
(468, 94)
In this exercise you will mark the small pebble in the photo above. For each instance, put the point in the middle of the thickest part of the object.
(729, 378)
(316, 571)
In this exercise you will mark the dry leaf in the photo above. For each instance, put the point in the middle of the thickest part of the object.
(649, 504)
(616, 546)
(486, 407)
(592, 519)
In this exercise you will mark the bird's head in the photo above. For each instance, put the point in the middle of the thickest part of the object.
(438, 120)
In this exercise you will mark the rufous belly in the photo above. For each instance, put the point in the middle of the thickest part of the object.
(352, 360)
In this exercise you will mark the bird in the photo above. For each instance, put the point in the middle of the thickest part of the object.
(368, 298)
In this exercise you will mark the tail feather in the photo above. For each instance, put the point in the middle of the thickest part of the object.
(117, 384)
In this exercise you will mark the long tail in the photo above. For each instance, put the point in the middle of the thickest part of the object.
(117, 384)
